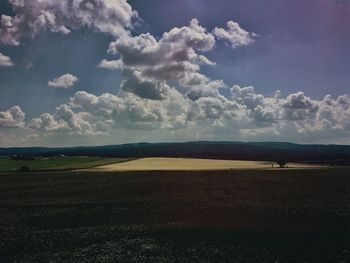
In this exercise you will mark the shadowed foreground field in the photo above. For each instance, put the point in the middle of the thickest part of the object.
(213, 216)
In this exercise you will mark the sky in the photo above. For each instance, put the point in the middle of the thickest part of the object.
(97, 72)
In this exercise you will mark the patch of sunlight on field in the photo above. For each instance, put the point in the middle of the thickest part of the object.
(187, 164)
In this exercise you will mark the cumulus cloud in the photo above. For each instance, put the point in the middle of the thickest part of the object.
(88, 114)
(12, 118)
(5, 61)
(65, 120)
(113, 17)
(149, 64)
(299, 107)
(110, 64)
(236, 35)
(244, 114)
(127, 110)
(65, 81)
(334, 114)
(145, 88)
(163, 87)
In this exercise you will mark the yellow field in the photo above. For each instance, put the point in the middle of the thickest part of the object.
(184, 164)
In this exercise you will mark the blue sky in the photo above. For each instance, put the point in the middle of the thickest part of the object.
(193, 82)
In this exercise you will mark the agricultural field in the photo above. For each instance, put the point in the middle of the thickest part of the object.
(239, 215)
(191, 164)
(55, 163)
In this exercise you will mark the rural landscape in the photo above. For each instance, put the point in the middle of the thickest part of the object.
(66, 208)
(174, 131)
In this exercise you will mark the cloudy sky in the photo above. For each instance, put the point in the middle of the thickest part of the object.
(94, 72)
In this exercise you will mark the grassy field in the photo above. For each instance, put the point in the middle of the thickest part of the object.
(51, 164)
(190, 164)
(188, 216)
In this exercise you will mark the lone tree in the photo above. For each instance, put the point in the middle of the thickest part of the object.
(282, 163)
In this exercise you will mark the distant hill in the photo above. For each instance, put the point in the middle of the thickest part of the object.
(269, 151)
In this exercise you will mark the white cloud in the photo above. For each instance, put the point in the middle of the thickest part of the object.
(149, 64)
(65, 81)
(234, 34)
(245, 114)
(126, 110)
(65, 120)
(113, 17)
(299, 107)
(5, 61)
(163, 89)
(110, 64)
(334, 114)
(12, 118)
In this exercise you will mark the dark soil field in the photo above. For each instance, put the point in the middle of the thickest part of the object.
(216, 216)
